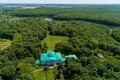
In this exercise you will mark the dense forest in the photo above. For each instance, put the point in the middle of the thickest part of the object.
(108, 15)
(88, 34)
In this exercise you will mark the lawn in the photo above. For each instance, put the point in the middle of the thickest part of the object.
(44, 75)
(51, 40)
(4, 43)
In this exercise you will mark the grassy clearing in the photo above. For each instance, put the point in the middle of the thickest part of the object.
(51, 40)
(44, 75)
(4, 43)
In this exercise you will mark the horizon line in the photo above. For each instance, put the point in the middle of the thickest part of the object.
(60, 3)
(69, 3)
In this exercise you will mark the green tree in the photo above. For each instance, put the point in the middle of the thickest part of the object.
(8, 72)
(26, 76)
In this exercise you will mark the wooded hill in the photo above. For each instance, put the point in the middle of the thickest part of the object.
(28, 30)
(108, 15)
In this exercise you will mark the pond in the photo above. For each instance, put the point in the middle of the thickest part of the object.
(48, 19)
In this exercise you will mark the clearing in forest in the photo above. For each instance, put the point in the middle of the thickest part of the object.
(51, 40)
(4, 43)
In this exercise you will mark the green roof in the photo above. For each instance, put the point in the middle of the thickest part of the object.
(51, 55)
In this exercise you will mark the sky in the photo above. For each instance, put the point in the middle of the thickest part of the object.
(63, 1)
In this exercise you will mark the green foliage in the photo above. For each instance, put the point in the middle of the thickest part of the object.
(17, 38)
(73, 31)
(26, 77)
(108, 15)
(4, 43)
(116, 34)
(51, 41)
(8, 72)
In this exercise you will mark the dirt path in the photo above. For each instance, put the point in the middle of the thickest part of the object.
(38, 70)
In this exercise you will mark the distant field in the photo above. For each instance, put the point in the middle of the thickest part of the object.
(4, 43)
(28, 7)
(52, 40)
